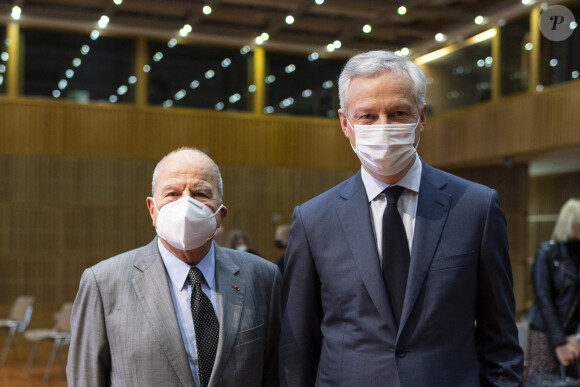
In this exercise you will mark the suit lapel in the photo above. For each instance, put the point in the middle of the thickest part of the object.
(152, 289)
(356, 222)
(432, 210)
(231, 289)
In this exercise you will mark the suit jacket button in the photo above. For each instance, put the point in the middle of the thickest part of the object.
(401, 353)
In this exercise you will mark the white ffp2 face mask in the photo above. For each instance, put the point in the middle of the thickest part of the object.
(385, 149)
(186, 224)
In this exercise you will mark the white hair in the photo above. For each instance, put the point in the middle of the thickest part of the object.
(220, 186)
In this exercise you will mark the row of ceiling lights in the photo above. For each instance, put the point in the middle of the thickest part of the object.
(186, 29)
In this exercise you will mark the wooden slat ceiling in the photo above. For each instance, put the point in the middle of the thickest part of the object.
(235, 21)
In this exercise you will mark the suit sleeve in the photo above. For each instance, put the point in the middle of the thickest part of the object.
(270, 374)
(89, 362)
(301, 337)
(499, 353)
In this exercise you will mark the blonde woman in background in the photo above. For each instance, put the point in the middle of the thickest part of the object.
(555, 315)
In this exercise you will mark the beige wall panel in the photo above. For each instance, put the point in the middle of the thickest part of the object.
(511, 185)
(515, 126)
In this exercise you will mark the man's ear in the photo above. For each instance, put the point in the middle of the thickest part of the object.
(152, 211)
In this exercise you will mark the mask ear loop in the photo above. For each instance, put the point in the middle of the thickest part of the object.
(213, 215)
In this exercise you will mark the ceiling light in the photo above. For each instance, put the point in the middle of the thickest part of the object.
(479, 20)
(405, 51)
(118, 2)
(122, 89)
(16, 12)
(330, 47)
(402, 10)
(312, 57)
(206, 10)
(367, 28)
(440, 37)
(528, 46)
(103, 21)
(265, 36)
(95, 34)
(319, 2)
(186, 29)
(259, 40)
(289, 19)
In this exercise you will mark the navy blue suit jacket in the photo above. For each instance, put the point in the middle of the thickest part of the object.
(457, 325)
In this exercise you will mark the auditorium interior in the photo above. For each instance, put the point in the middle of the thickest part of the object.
(94, 92)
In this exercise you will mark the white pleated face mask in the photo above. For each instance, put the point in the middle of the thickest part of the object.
(385, 149)
(186, 224)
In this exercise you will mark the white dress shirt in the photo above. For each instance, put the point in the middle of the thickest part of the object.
(180, 287)
(407, 203)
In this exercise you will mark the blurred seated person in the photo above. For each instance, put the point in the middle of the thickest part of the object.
(281, 241)
(239, 241)
(555, 316)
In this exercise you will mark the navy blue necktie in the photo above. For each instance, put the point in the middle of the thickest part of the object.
(395, 250)
(206, 326)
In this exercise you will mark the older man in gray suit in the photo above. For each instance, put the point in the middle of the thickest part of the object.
(181, 311)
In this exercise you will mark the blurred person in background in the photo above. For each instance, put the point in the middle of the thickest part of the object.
(555, 316)
(237, 240)
(281, 242)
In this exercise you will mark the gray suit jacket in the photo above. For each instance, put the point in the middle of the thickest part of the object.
(125, 330)
(338, 326)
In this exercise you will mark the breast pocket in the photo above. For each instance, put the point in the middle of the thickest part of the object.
(250, 335)
(454, 261)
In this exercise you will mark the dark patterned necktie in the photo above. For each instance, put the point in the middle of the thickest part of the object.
(395, 250)
(206, 326)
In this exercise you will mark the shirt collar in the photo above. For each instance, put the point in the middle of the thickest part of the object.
(179, 270)
(411, 180)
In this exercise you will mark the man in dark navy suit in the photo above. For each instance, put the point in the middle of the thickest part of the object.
(416, 296)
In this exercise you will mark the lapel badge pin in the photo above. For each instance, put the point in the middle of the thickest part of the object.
(237, 288)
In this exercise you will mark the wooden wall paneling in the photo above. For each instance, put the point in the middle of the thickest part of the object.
(518, 125)
(511, 185)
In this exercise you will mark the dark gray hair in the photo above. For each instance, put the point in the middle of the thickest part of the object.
(220, 186)
(376, 62)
